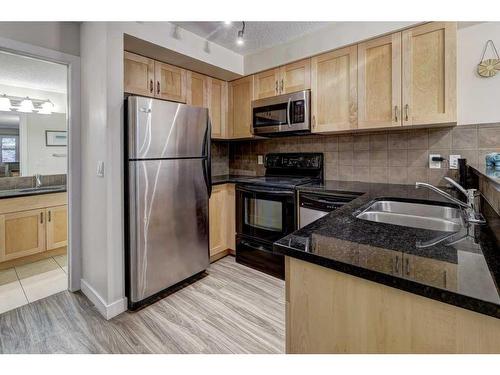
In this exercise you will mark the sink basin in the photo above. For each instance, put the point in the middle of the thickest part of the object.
(414, 215)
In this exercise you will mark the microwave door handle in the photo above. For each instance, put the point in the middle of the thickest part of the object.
(288, 106)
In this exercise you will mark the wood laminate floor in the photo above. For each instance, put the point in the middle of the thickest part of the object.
(234, 309)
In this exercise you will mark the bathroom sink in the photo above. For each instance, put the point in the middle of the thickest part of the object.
(415, 215)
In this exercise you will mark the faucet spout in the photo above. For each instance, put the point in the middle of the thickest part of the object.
(442, 193)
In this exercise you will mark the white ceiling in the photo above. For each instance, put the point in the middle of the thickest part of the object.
(258, 35)
(20, 71)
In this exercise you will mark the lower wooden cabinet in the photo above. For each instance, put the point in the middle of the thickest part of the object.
(221, 220)
(31, 225)
(21, 234)
(57, 227)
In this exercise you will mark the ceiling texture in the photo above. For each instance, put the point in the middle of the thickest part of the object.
(20, 71)
(258, 35)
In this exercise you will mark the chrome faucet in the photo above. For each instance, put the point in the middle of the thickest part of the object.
(38, 180)
(472, 214)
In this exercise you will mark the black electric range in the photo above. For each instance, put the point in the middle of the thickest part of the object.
(266, 208)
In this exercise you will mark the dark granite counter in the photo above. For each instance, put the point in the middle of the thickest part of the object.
(15, 193)
(465, 274)
(228, 179)
(490, 173)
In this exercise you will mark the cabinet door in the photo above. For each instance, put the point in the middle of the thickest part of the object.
(381, 260)
(429, 74)
(266, 84)
(295, 77)
(57, 227)
(333, 90)
(170, 82)
(217, 212)
(138, 74)
(429, 271)
(197, 89)
(240, 104)
(218, 107)
(22, 234)
(379, 82)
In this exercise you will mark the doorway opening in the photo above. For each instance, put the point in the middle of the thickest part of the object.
(34, 154)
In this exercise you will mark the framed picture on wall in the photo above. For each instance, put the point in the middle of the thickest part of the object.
(56, 138)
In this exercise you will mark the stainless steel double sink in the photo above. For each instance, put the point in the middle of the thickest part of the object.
(415, 215)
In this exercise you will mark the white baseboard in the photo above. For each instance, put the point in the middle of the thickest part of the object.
(108, 311)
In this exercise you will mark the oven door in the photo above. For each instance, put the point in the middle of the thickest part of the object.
(283, 113)
(265, 213)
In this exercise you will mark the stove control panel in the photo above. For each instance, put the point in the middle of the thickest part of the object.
(294, 161)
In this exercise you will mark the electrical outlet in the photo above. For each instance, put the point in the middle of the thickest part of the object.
(454, 161)
(260, 159)
(434, 164)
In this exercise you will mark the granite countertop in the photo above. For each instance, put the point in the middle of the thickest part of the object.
(466, 274)
(228, 179)
(14, 193)
(489, 172)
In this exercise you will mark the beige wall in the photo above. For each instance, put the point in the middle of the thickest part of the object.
(400, 157)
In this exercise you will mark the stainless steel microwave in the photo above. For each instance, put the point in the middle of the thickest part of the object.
(282, 115)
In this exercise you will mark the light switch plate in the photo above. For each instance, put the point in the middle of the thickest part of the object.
(454, 161)
(260, 159)
(434, 164)
(100, 168)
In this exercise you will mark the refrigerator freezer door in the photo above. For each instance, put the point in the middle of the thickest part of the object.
(168, 224)
(159, 129)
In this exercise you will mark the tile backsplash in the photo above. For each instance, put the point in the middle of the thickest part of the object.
(220, 158)
(396, 156)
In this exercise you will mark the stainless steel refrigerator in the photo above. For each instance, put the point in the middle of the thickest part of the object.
(168, 190)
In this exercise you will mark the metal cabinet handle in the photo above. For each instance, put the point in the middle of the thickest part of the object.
(151, 86)
(445, 278)
(406, 111)
(407, 267)
(158, 87)
(50, 215)
(314, 121)
(281, 87)
(396, 113)
(276, 89)
(41, 217)
(396, 265)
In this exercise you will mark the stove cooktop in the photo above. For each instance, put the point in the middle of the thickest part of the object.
(279, 181)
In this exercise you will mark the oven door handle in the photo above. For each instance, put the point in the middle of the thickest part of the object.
(288, 106)
(266, 191)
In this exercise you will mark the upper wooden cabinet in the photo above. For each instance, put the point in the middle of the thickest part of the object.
(139, 74)
(334, 90)
(266, 84)
(217, 107)
(240, 107)
(285, 79)
(197, 89)
(170, 82)
(379, 82)
(295, 77)
(147, 77)
(429, 74)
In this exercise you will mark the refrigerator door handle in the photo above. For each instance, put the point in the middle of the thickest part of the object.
(207, 161)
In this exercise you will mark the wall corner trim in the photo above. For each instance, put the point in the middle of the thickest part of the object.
(108, 311)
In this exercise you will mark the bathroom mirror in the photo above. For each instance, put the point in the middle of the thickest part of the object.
(32, 143)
